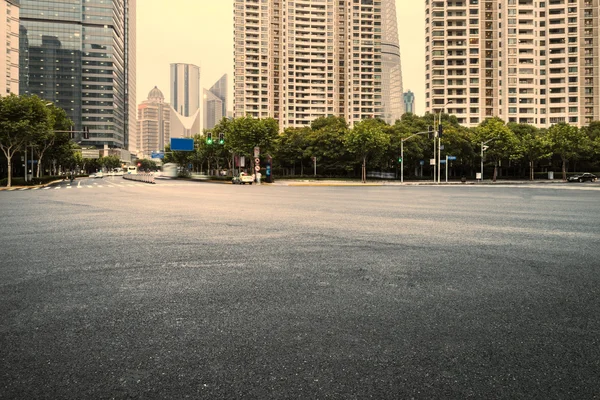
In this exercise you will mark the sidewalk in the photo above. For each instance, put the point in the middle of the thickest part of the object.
(316, 182)
(29, 186)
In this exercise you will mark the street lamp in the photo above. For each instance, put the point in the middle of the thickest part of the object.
(484, 148)
(402, 153)
(439, 156)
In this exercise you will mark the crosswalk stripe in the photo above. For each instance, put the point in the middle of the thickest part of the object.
(35, 188)
(68, 187)
(56, 188)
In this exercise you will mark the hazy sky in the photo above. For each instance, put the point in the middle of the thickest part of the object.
(201, 32)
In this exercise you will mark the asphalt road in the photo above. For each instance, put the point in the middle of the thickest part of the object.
(186, 290)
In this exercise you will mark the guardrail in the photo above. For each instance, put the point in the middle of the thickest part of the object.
(146, 178)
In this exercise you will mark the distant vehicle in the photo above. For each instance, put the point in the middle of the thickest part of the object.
(242, 179)
(132, 169)
(169, 170)
(582, 178)
(98, 174)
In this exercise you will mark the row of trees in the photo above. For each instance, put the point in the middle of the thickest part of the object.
(344, 151)
(29, 123)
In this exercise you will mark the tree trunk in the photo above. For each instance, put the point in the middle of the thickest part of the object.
(495, 172)
(531, 174)
(364, 170)
(9, 182)
(564, 169)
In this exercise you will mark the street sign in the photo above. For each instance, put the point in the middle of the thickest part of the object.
(422, 162)
(158, 154)
(432, 161)
(256, 151)
(257, 168)
(182, 144)
(451, 158)
(442, 161)
(257, 160)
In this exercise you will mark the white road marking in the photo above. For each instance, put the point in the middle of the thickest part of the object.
(35, 188)
(46, 188)
(56, 188)
(24, 189)
(68, 187)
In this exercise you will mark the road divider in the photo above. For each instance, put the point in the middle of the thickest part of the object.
(146, 178)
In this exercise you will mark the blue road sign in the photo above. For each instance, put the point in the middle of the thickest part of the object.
(442, 161)
(182, 144)
(451, 158)
(158, 154)
(422, 162)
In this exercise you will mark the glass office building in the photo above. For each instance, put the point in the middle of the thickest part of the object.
(75, 54)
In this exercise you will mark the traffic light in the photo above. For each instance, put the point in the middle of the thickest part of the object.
(399, 159)
(430, 130)
(221, 138)
(209, 138)
(440, 130)
(86, 132)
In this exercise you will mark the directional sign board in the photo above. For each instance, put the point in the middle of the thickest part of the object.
(158, 154)
(442, 161)
(182, 144)
(451, 158)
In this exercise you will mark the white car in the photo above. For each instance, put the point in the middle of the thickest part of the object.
(98, 174)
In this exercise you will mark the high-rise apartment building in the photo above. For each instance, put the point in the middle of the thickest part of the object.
(409, 102)
(154, 124)
(299, 60)
(9, 47)
(81, 56)
(525, 61)
(215, 103)
(185, 88)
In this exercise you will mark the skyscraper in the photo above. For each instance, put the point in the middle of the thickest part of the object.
(524, 61)
(215, 103)
(185, 88)
(81, 56)
(297, 61)
(409, 102)
(9, 46)
(154, 124)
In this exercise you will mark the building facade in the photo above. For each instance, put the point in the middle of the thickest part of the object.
(300, 60)
(215, 103)
(154, 124)
(524, 61)
(81, 56)
(185, 88)
(409, 102)
(9, 47)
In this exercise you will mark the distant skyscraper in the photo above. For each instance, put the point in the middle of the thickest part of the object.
(215, 103)
(81, 56)
(525, 61)
(297, 61)
(409, 102)
(154, 124)
(9, 46)
(185, 88)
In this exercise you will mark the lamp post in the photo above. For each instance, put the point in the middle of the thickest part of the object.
(484, 148)
(439, 156)
(402, 153)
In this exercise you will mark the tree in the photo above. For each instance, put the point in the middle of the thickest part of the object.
(289, 147)
(325, 142)
(504, 143)
(533, 145)
(145, 165)
(111, 162)
(245, 133)
(21, 118)
(568, 142)
(367, 139)
(44, 140)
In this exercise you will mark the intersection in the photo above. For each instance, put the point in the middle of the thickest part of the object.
(226, 291)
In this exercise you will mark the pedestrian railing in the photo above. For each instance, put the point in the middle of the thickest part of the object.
(146, 178)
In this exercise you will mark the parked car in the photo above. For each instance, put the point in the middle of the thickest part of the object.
(242, 179)
(98, 174)
(582, 178)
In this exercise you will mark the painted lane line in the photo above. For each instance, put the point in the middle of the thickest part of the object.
(35, 188)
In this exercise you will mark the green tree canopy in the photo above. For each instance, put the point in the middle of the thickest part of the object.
(367, 139)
